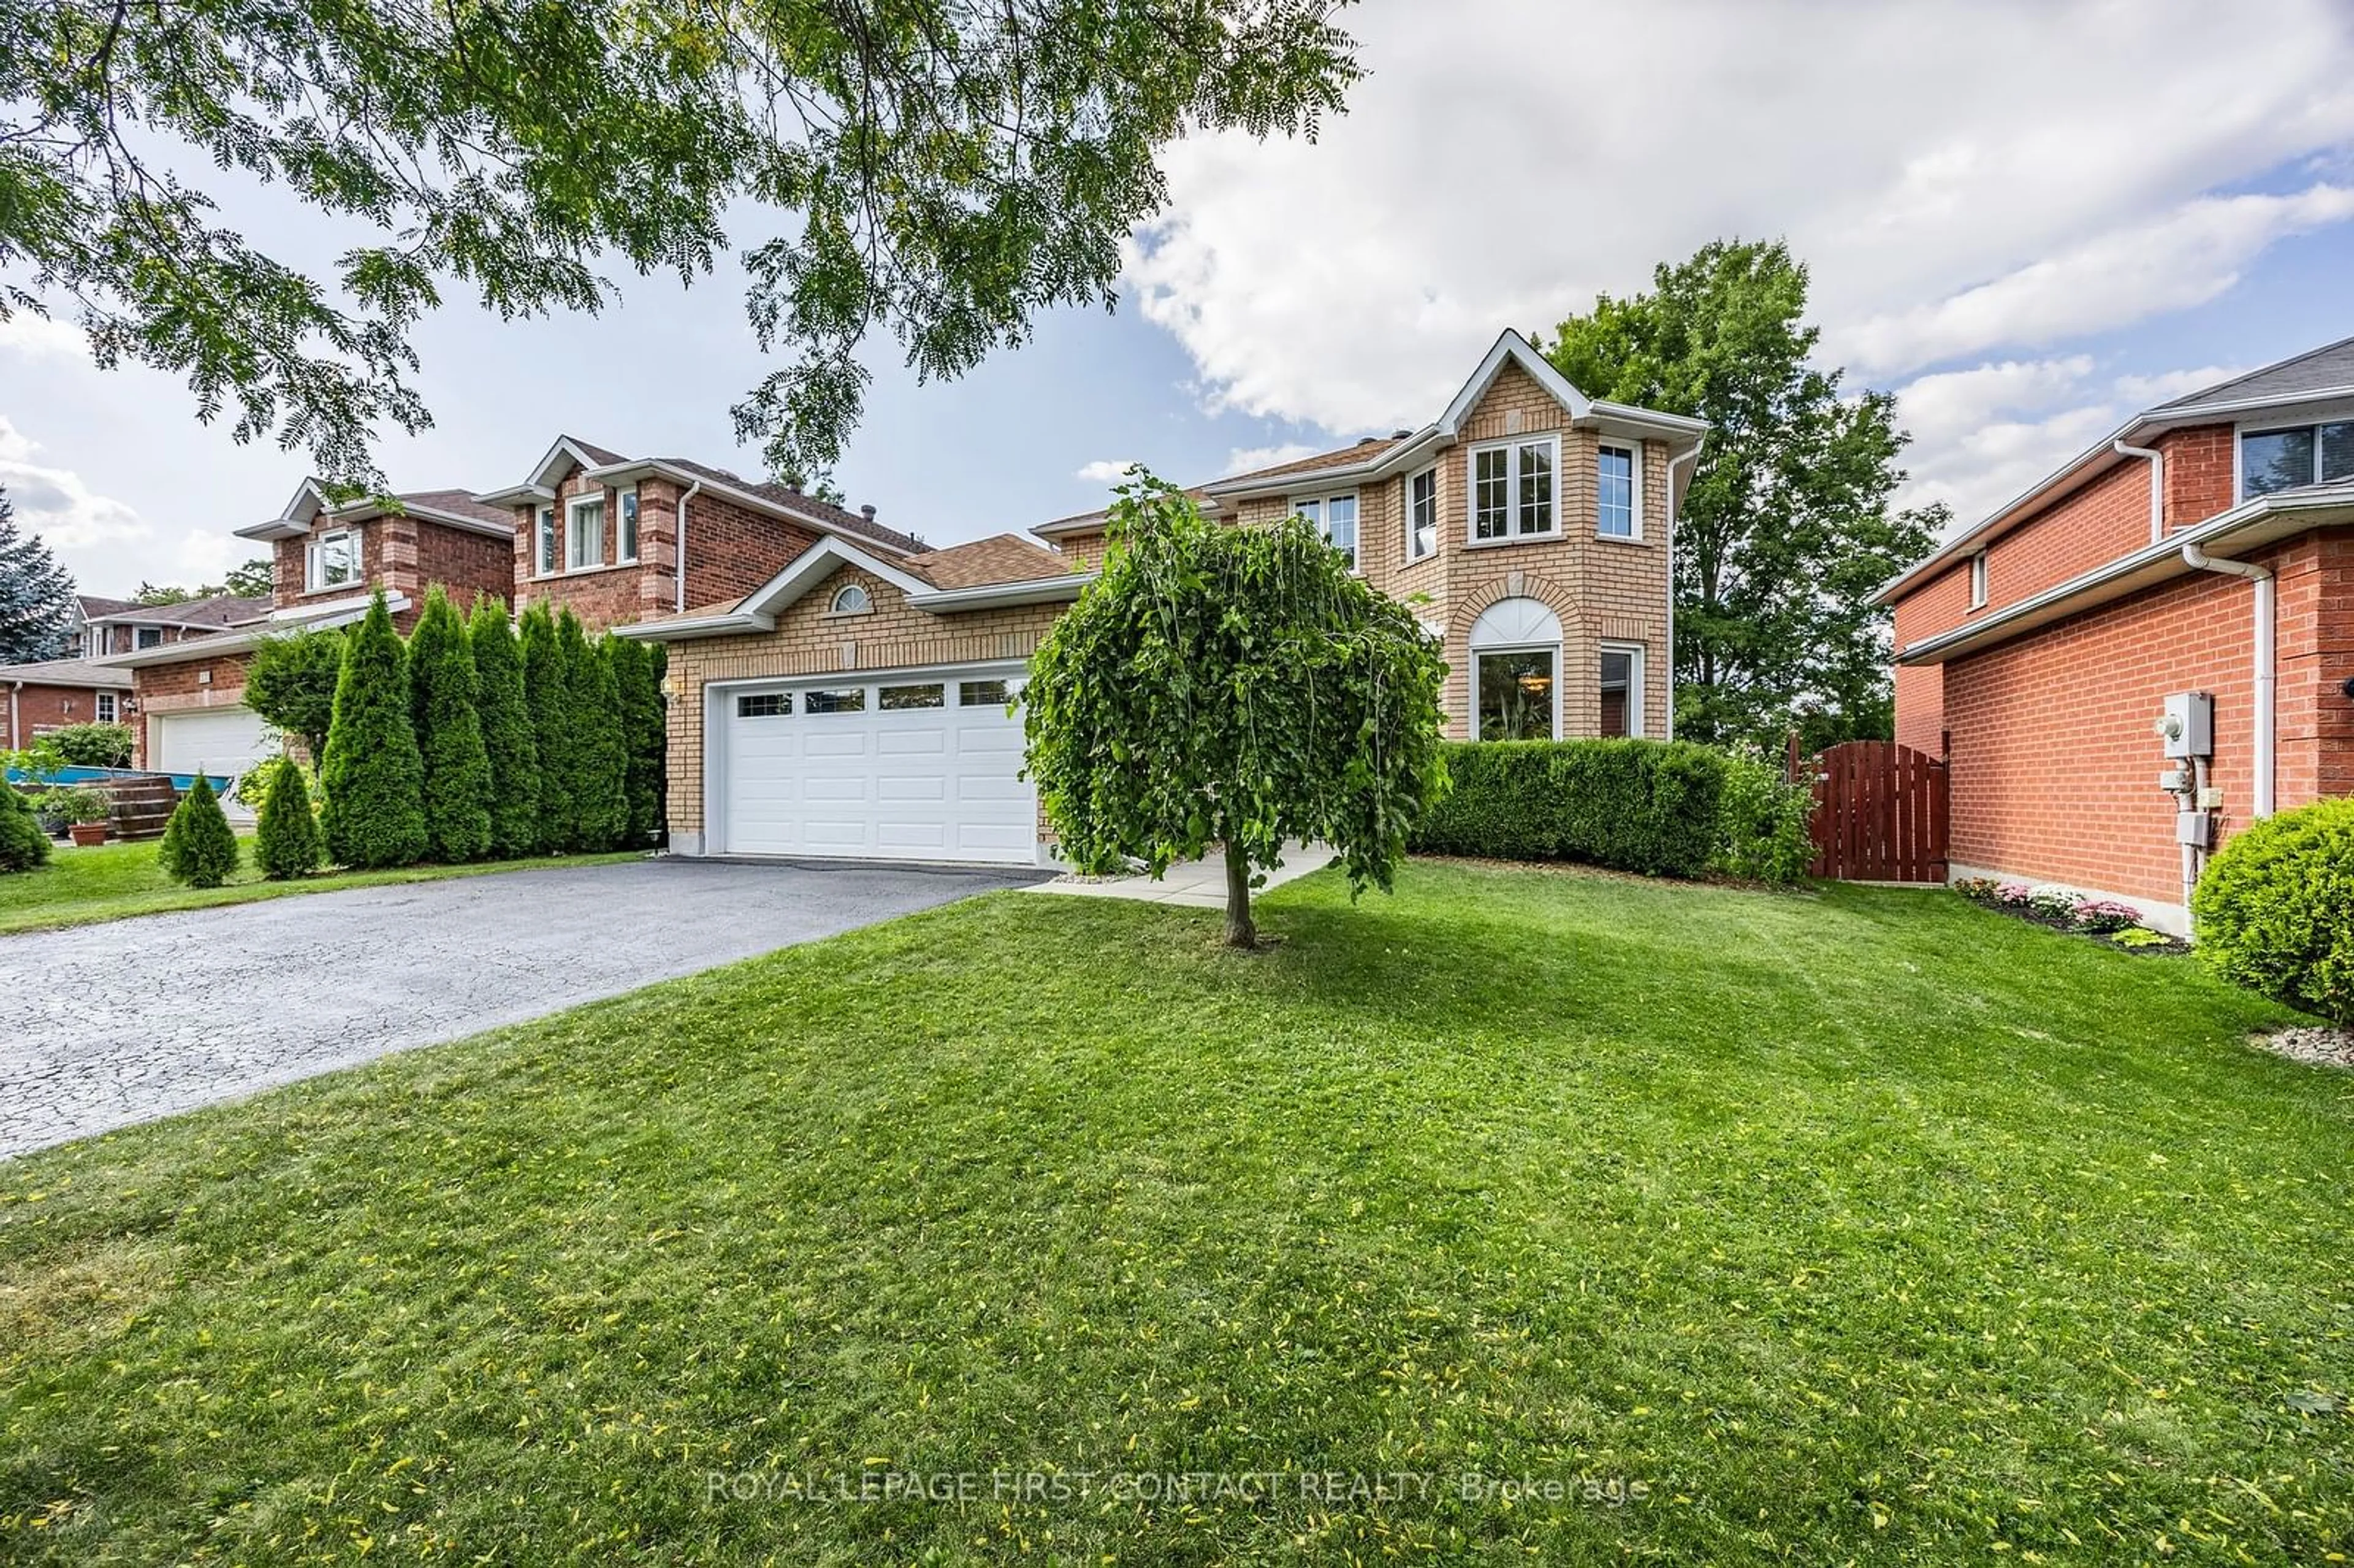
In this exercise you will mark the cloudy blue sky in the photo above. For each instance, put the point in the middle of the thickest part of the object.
(2027, 219)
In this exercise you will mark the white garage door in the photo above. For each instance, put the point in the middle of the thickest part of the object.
(908, 767)
(215, 740)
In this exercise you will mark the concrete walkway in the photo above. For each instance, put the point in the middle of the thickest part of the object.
(1195, 884)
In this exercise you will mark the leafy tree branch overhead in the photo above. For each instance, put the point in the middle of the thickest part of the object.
(942, 170)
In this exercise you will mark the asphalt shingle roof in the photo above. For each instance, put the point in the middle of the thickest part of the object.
(785, 495)
(65, 673)
(2328, 369)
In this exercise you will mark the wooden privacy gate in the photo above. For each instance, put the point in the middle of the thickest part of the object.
(1879, 813)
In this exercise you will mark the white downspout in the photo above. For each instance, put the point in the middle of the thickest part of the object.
(678, 544)
(2157, 483)
(1673, 508)
(2199, 560)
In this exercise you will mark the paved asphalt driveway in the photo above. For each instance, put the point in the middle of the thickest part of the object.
(108, 1024)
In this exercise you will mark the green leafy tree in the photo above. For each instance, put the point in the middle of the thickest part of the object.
(441, 697)
(1786, 527)
(372, 778)
(198, 849)
(291, 680)
(23, 844)
(637, 672)
(942, 171)
(597, 756)
(548, 702)
(287, 842)
(36, 596)
(507, 739)
(1233, 686)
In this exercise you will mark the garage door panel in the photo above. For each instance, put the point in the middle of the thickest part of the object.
(213, 740)
(908, 783)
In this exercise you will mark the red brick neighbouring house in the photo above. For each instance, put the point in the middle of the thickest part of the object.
(599, 533)
(37, 698)
(2206, 547)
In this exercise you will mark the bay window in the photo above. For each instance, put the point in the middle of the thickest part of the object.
(1617, 513)
(1512, 490)
(1421, 515)
(625, 534)
(544, 557)
(1622, 689)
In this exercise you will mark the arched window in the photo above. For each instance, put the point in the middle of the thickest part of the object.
(1516, 672)
(850, 599)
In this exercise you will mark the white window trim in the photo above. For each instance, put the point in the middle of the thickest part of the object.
(1323, 504)
(834, 604)
(1407, 514)
(1633, 450)
(315, 554)
(1978, 581)
(1635, 696)
(109, 708)
(573, 532)
(626, 501)
(1513, 534)
(1484, 648)
(139, 635)
(546, 549)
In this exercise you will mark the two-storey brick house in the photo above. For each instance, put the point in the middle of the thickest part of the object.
(326, 560)
(853, 704)
(2205, 546)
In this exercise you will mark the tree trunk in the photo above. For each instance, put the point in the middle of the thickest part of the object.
(1240, 930)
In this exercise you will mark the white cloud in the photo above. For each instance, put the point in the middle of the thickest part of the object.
(106, 545)
(42, 337)
(1983, 437)
(1247, 459)
(1103, 470)
(2185, 258)
(1962, 177)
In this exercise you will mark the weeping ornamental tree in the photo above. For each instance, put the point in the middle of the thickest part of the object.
(1234, 687)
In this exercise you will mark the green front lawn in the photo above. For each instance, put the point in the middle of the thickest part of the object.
(107, 881)
(1859, 1226)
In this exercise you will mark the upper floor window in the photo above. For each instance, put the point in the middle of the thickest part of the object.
(584, 529)
(2283, 460)
(625, 535)
(1511, 490)
(1978, 581)
(850, 599)
(544, 559)
(1618, 505)
(147, 637)
(1335, 520)
(1421, 515)
(331, 560)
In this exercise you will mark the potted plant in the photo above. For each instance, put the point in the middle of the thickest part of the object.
(86, 811)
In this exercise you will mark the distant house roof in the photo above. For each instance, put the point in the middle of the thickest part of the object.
(209, 614)
(65, 673)
(93, 606)
(457, 508)
(2317, 373)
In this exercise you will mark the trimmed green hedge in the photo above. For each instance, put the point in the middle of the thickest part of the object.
(2274, 910)
(1644, 806)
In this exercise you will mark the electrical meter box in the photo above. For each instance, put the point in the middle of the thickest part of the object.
(2189, 725)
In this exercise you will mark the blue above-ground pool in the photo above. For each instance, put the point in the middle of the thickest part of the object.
(181, 781)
